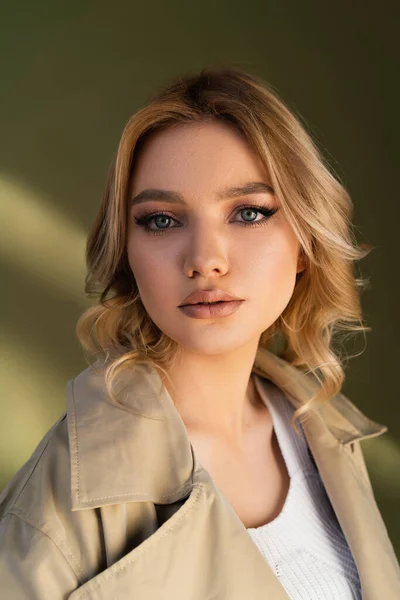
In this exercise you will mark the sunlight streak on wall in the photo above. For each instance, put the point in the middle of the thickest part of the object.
(37, 238)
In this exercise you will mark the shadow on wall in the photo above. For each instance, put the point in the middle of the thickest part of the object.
(42, 257)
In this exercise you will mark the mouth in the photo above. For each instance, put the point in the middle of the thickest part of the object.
(208, 310)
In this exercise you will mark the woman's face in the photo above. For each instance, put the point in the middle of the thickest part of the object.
(207, 242)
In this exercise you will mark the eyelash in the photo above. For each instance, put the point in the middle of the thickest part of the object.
(144, 219)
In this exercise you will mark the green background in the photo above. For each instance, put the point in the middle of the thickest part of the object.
(72, 74)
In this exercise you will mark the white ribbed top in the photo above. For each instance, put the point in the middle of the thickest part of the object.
(304, 545)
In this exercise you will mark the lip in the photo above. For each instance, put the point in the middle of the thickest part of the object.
(214, 295)
(204, 311)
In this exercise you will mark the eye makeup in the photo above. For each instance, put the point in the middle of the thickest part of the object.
(144, 219)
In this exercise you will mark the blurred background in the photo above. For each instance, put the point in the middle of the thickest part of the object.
(71, 76)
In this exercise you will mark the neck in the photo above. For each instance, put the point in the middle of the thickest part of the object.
(215, 395)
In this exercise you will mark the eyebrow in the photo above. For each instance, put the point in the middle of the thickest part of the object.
(158, 195)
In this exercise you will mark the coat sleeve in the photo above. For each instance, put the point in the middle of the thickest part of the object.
(31, 564)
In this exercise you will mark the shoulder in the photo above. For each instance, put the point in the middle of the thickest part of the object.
(33, 510)
(42, 478)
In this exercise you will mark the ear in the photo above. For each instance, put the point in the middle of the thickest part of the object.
(301, 263)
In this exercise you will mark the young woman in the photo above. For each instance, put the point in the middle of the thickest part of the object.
(207, 452)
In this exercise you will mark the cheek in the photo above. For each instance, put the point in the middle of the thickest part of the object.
(271, 271)
(150, 270)
(275, 256)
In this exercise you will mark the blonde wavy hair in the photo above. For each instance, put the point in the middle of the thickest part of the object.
(326, 296)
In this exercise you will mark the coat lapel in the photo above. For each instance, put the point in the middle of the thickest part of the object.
(354, 503)
(202, 552)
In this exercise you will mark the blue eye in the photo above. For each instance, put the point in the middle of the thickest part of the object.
(146, 218)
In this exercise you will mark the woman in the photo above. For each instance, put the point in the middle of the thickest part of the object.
(224, 245)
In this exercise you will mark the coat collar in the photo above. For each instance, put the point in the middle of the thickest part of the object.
(340, 416)
(139, 450)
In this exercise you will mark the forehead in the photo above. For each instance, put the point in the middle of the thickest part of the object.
(195, 154)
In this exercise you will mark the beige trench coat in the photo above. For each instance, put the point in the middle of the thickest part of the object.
(114, 505)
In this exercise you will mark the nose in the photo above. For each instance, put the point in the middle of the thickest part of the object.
(205, 254)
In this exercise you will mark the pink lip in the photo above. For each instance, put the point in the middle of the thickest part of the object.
(214, 295)
(204, 311)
